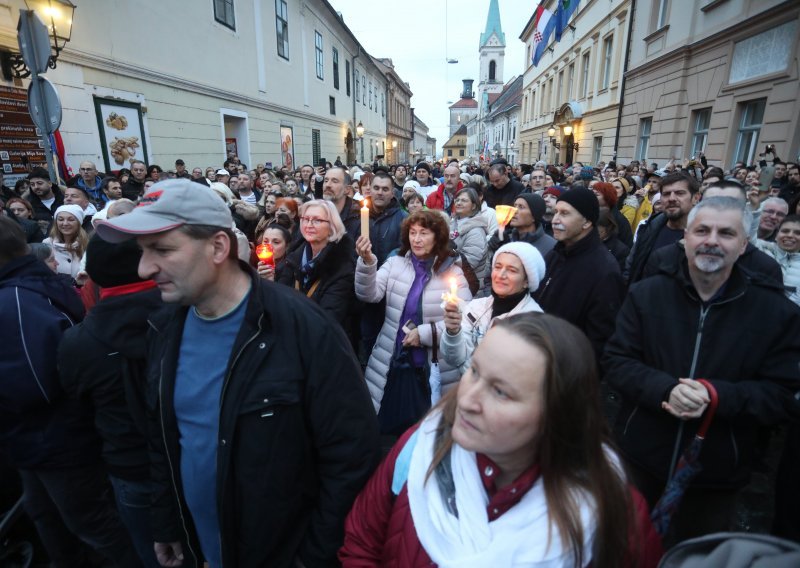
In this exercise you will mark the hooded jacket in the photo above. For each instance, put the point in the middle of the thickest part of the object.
(40, 428)
(102, 361)
(469, 237)
(745, 341)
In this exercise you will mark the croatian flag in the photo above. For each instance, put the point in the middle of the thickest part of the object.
(544, 24)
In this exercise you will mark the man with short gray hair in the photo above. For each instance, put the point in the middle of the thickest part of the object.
(705, 319)
(773, 211)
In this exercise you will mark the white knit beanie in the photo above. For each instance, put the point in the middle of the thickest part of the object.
(74, 210)
(531, 259)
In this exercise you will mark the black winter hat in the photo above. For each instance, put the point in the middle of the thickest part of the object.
(584, 201)
(113, 264)
(536, 204)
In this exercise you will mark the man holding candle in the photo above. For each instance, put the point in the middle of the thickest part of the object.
(262, 443)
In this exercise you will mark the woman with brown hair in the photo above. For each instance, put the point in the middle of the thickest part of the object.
(413, 283)
(68, 239)
(514, 468)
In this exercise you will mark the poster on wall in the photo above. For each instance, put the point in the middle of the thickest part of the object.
(121, 132)
(287, 147)
(21, 149)
(231, 148)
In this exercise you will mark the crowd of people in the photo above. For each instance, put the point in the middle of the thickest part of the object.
(396, 365)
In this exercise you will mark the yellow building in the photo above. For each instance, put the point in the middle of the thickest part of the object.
(456, 147)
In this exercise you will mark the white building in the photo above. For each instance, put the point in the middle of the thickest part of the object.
(501, 122)
(274, 81)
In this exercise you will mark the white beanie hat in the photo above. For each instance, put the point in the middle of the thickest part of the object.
(74, 210)
(412, 183)
(531, 260)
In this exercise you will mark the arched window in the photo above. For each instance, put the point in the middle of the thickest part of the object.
(492, 69)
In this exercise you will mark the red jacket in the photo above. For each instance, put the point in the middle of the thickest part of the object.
(436, 199)
(379, 530)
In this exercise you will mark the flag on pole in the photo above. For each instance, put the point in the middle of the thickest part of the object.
(63, 173)
(543, 25)
(564, 12)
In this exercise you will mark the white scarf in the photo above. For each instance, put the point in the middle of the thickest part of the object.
(516, 538)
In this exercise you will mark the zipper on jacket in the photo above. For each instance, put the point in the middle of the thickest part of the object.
(735, 448)
(628, 422)
(221, 399)
(169, 460)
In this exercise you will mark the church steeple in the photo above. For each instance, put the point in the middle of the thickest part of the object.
(493, 25)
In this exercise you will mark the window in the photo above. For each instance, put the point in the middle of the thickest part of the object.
(492, 70)
(764, 53)
(315, 149)
(320, 56)
(752, 116)
(560, 88)
(701, 120)
(335, 68)
(597, 149)
(585, 74)
(550, 95)
(358, 86)
(332, 104)
(450, 151)
(370, 95)
(282, 26)
(608, 49)
(223, 13)
(461, 152)
(661, 17)
(363, 89)
(383, 103)
(347, 77)
(644, 137)
(571, 82)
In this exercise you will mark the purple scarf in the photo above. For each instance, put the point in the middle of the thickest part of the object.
(413, 307)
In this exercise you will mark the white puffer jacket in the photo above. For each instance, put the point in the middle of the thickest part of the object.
(469, 235)
(393, 281)
(69, 262)
(476, 319)
(790, 266)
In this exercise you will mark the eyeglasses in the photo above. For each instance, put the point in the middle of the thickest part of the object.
(313, 221)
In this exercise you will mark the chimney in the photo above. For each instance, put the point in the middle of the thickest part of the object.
(466, 93)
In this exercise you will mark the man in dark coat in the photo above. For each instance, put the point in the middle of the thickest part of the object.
(334, 189)
(263, 430)
(102, 363)
(134, 187)
(582, 283)
(502, 190)
(46, 435)
(45, 197)
(708, 319)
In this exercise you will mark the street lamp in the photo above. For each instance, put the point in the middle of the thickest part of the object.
(567, 130)
(57, 18)
(360, 130)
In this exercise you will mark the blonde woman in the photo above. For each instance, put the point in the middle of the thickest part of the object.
(68, 239)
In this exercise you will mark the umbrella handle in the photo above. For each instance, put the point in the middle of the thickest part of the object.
(711, 410)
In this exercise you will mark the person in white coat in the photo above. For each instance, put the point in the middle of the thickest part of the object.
(413, 283)
(517, 270)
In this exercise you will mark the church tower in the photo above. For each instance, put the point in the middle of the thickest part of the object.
(492, 50)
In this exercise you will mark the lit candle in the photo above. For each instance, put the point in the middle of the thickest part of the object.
(504, 213)
(265, 254)
(453, 289)
(365, 219)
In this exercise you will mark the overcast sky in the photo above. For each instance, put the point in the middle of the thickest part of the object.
(420, 35)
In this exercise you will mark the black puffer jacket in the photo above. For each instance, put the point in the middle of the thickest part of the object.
(746, 342)
(102, 362)
(298, 437)
(329, 281)
(584, 286)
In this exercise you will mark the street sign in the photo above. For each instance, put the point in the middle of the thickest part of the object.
(44, 105)
(34, 41)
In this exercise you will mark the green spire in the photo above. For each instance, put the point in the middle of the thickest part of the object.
(493, 25)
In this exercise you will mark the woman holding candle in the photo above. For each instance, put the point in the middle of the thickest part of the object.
(277, 236)
(322, 265)
(487, 479)
(68, 239)
(413, 283)
(468, 230)
(517, 270)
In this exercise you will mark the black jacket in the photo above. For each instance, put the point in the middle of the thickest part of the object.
(40, 211)
(351, 218)
(504, 195)
(298, 436)
(618, 249)
(754, 261)
(624, 232)
(746, 342)
(40, 428)
(645, 242)
(334, 269)
(102, 362)
(132, 189)
(384, 230)
(584, 286)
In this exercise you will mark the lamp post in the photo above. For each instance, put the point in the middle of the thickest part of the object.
(56, 15)
(360, 136)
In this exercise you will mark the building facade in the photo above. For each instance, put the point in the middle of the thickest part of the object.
(501, 122)
(399, 128)
(464, 109)
(575, 89)
(456, 146)
(274, 82)
(724, 82)
(423, 146)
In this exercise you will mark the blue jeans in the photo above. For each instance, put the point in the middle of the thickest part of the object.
(133, 503)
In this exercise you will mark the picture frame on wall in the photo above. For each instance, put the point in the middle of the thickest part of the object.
(287, 147)
(121, 128)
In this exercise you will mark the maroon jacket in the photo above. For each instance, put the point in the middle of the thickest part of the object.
(379, 531)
